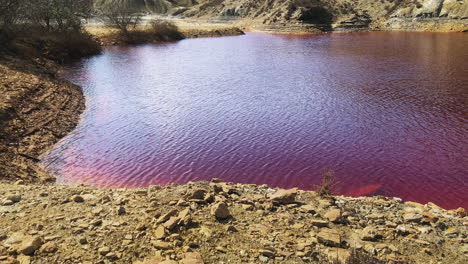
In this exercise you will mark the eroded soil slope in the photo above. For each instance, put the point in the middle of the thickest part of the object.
(36, 110)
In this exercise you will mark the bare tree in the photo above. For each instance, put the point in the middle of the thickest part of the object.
(121, 16)
(9, 12)
(58, 15)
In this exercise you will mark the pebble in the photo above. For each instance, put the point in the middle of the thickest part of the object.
(284, 196)
(220, 211)
(30, 245)
(104, 251)
(334, 215)
(412, 217)
(78, 199)
(15, 198)
(329, 237)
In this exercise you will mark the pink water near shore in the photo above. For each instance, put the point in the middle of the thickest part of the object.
(386, 112)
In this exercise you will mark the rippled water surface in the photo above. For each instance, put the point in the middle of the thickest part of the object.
(386, 112)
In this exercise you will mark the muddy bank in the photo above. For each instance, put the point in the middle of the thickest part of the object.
(107, 36)
(216, 222)
(36, 109)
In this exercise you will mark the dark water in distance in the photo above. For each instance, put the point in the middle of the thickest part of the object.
(386, 112)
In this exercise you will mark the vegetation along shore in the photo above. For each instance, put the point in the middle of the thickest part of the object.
(201, 222)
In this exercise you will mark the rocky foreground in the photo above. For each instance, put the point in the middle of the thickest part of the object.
(216, 222)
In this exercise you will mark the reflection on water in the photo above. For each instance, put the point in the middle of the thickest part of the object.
(387, 112)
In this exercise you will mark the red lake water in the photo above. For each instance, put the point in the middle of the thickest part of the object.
(386, 112)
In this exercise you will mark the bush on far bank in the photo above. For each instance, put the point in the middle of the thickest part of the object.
(155, 31)
(166, 30)
(128, 21)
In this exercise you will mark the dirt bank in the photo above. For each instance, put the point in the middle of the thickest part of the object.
(36, 110)
(109, 36)
(221, 223)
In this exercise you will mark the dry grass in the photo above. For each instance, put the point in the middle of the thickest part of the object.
(155, 31)
(328, 182)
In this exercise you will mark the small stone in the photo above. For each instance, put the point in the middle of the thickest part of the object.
(221, 249)
(172, 223)
(427, 251)
(78, 199)
(412, 217)
(121, 210)
(49, 247)
(15, 198)
(267, 252)
(184, 213)
(83, 240)
(329, 237)
(160, 232)
(6, 202)
(192, 258)
(461, 212)
(161, 245)
(404, 230)
(141, 227)
(3, 235)
(22, 259)
(197, 194)
(369, 234)
(206, 231)
(248, 207)
(30, 245)
(220, 211)
(319, 223)
(429, 218)
(338, 254)
(231, 228)
(334, 215)
(308, 208)
(284, 196)
(104, 251)
(97, 211)
(369, 248)
(451, 232)
(152, 260)
(154, 188)
(112, 256)
(163, 218)
(325, 203)
(96, 222)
